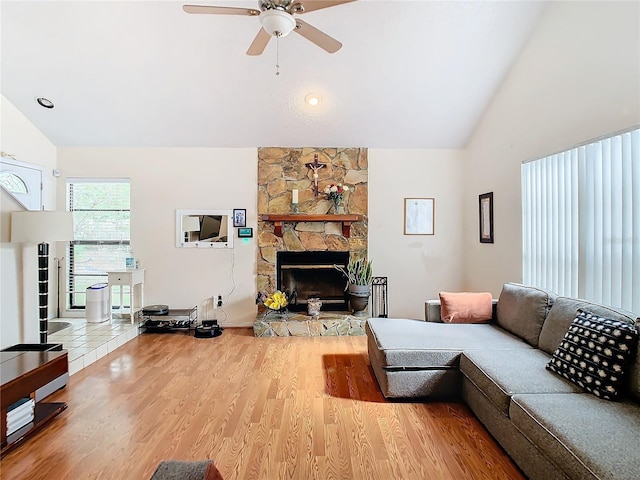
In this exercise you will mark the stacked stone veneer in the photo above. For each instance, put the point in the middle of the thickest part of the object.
(327, 324)
(281, 170)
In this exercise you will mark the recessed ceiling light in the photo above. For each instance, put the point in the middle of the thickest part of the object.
(44, 102)
(312, 99)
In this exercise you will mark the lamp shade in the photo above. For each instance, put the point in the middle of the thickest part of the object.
(277, 23)
(41, 226)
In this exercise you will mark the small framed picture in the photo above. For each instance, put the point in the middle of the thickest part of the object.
(246, 232)
(239, 217)
(418, 216)
(486, 217)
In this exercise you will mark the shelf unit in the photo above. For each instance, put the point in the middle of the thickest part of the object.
(177, 320)
(345, 219)
(22, 374)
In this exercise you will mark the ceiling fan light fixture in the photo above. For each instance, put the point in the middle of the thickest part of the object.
(277, 22)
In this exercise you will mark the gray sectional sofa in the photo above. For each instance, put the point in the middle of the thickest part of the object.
(549, 426)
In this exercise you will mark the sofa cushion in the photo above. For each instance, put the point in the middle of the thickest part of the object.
(563, 313)
(522, 310)
(586, 437)
(499, 374)
(404, 343)
(432, 309)
(403, 357)
(466, 307)
(594, 353)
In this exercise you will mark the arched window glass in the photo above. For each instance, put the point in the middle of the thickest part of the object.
(13, 183)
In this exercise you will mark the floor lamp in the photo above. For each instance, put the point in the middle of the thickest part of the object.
(42, 226)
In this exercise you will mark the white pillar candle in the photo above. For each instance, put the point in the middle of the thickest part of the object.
(294, 196)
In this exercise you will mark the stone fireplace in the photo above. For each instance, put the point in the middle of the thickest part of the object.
(282, 170)
(311, 274)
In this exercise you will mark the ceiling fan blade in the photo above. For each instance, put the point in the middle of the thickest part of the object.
(311, 5)
(259, 43)
(252, 12)
(318, 37)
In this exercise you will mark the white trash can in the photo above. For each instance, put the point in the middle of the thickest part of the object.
(97, 308)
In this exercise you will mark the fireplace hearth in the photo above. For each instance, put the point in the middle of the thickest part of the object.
(311, 274)
(327, 324)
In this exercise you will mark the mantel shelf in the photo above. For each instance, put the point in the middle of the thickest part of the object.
(345, 219)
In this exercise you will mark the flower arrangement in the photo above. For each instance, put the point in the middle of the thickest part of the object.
(335, 192)
(275, 301)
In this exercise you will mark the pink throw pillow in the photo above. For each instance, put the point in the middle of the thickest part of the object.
(466, 307)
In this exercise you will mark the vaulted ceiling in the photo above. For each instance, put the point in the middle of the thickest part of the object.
(410, 74)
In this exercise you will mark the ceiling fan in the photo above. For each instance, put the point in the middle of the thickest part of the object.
(277, 20)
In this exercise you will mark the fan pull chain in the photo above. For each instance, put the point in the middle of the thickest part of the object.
(277, 54)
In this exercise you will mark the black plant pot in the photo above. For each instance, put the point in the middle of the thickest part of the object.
(359, 299)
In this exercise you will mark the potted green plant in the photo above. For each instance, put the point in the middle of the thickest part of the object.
(359, 274)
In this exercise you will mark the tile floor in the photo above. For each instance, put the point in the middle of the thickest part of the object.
(87, 342)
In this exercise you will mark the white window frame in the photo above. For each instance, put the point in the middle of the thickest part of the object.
(71, 305)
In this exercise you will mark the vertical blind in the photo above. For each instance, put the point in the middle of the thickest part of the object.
(581, 221)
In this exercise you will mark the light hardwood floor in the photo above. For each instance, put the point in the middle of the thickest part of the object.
(269, 408)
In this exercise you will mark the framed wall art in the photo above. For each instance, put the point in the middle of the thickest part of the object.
(419, 216)
(486, 217)
(239, 217)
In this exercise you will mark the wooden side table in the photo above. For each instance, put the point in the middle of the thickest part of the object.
(21, 374)
(134, 278)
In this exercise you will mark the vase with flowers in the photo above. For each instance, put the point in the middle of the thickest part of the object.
(335, 192)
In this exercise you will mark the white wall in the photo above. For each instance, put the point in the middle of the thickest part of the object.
(417, 266)
(18, 262)
(576, 79)
(162, 181)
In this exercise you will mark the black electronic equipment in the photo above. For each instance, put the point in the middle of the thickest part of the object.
(208, 329)
(155, 310)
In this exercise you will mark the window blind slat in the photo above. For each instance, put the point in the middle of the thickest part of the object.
(575, 222)
(633, 241)
(615, 233)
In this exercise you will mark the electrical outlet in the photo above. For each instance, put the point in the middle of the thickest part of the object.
(216, 301)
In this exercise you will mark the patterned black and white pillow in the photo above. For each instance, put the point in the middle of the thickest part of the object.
(594, 353)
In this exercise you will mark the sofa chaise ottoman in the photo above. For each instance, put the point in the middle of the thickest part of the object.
(548, 425)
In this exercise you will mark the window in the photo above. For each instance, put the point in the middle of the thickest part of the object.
(13, 183)
(101, 224)
(22, 181)
(581, 221)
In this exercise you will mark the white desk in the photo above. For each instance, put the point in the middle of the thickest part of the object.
(134, 278)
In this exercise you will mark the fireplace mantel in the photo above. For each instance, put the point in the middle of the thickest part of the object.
(345, 219)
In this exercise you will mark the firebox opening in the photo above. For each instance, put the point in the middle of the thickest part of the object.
(311, 274)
